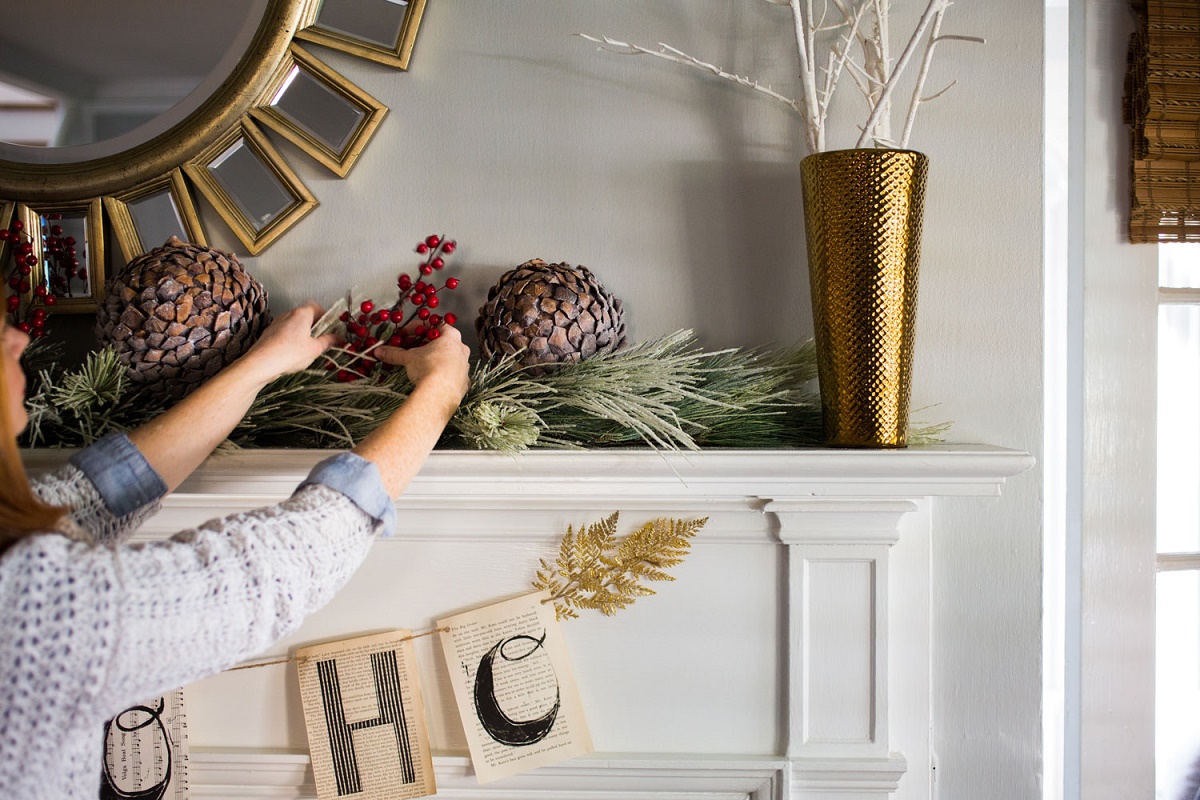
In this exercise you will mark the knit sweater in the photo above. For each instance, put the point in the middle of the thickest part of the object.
(88, 629)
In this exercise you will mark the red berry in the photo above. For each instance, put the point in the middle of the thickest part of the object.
(367, 306)
(420, 287)
(404, 282)
(18, 225)
(56, 230)
(69, 241)
(39, 313)
(31, 260)
(26, 248)
(419, 331)
(418, 299)
(451, 318)
(432, 240)
(384, 315)
(24, 327)
(437, 263)
(41, 291)
(432, 301)
(24, 287)
(5, 234)
(83, 274)
(451, 283)
(345, 317)
(423, 313)
(51, 300)
(426, 269)
(370, 342)
(422, 248)
(448, 247)
(25, 269)
(395, 341)
(14, 302)
(435, 320)
(435, 333)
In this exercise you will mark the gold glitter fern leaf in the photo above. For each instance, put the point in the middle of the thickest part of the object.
(595, 570)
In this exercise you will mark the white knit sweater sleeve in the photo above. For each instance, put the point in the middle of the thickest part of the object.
(68, 486)
(209, 598)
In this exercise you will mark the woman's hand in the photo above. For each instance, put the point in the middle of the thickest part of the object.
(287, 345)
(442, 363)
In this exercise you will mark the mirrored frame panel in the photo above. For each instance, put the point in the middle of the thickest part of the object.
(68, 242)
(145, 216)
(380, 30)
(251, 186)
(319, 111)
(8, 209)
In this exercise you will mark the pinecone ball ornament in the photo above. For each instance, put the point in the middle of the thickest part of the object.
(550, 314)
(179, 313)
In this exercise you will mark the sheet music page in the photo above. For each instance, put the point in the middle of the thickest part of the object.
(514, 687)
(366, 721)
(145, 751)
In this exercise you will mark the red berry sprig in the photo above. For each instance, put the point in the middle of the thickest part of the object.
(369, 326)
(26, 305)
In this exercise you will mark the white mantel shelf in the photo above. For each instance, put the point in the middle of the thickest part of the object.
(797, 637)
(946, 470)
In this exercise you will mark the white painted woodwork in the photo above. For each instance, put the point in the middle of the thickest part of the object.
(791, 658)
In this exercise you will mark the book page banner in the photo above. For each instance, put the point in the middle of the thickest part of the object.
(366, 722)
(514, 687)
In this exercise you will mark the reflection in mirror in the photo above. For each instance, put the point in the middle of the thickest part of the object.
(110, 68)
(251, 186)
(69, 248)
(317, 109)
(320, 111)
(381, 30)
(377, 22)
(146, 216)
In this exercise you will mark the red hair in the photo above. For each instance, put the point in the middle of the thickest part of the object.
(21, 511)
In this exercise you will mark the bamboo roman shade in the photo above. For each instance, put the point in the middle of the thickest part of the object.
(1162, 104)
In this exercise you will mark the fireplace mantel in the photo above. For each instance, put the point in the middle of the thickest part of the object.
(790, 658)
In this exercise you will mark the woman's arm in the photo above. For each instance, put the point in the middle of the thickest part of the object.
(175, 442)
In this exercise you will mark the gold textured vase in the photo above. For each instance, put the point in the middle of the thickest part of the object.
(862, 215)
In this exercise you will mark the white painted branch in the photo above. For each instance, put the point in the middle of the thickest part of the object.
(814, 134)
(881, 104)
(915, 103)
(673, 55)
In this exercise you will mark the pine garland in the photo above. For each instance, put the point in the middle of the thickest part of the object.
(595, 571)
(667, 394)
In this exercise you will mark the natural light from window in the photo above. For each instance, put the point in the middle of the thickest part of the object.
(1177, 657)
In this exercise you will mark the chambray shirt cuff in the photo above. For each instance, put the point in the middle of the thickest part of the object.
(121, 474)
(358, 479)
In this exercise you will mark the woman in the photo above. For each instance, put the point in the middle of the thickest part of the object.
(90, 625)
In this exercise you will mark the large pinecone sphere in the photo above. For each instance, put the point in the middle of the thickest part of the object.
(179, 313)
(554, 313)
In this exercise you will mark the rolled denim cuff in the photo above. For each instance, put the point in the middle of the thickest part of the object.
(358, 479)
(120, 473)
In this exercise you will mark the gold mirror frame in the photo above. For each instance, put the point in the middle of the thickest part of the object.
(134, 171)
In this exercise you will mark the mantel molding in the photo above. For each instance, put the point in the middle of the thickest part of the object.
(483, 476)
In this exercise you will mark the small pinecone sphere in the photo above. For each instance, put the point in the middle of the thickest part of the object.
(555, 313)
(179, 313)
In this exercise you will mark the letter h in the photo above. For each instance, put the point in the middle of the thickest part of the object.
(341, 733)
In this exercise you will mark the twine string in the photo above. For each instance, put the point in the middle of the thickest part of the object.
(429, 632)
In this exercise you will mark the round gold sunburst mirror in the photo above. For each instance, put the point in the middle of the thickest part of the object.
(156, 99)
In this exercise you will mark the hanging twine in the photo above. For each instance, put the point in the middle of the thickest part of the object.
(293, 658)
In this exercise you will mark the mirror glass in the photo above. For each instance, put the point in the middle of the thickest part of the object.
(119, 73)
(64, 254)
(156, 219)
(375, 21)
(312, 105)
(251, 185)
